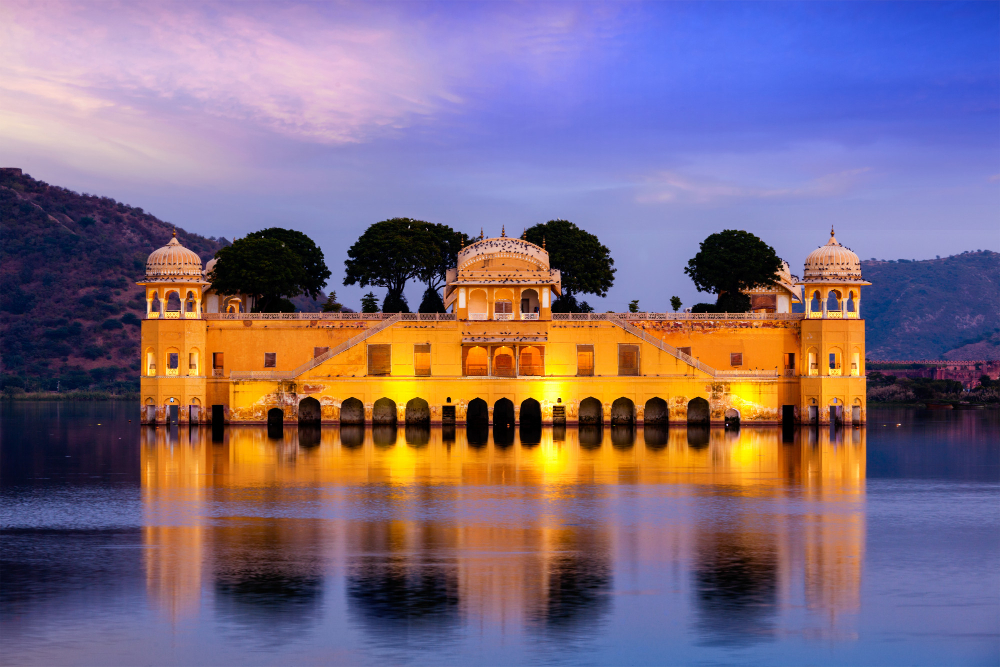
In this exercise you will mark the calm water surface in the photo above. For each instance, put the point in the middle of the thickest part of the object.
(124, 544)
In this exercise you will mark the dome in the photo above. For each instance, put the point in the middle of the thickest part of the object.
(504, 247)
(832, 262)
(173, 262)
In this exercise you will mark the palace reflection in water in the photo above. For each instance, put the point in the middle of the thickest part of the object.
(433, 529)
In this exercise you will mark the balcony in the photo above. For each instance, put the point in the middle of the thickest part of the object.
(816, 315)
(814, 369)
(191, 315)
(834, 315)
(152, 315)
(218, 373)
(836, 371)
(477, 316)
(503, 316)
(529, 316)
(172, 315)
(172, 372)
(851, 316)
(789, 372)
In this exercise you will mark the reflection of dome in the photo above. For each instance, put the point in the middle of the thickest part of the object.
(832, 262)
(173, 262)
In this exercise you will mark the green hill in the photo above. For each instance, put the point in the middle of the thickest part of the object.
(946, 308)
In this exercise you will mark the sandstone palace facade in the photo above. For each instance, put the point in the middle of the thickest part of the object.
(500, 355)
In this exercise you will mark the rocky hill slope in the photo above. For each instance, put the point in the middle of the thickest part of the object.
(946, 308)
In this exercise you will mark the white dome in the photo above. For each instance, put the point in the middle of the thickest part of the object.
(173, 262)
(832, 262)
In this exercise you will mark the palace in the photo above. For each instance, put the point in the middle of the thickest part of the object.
(501, 356)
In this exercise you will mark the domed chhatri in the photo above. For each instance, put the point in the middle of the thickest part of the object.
(173, 263)
(832, 262)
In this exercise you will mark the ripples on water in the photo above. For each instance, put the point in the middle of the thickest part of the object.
(125, 544)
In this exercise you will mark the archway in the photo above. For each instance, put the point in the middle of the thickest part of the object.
(531, 422)
(310, 411)
(155, 305)
(384, 412)
(815, 306)
(149, 410)
(478, 412)
(852, 305)
(477, 423)
(275, 422)
(352, 411)
(190, 306)
(698, 411)
(477, 361)
(529, 301)
(732, 417)
(418, 412)
(477, 304)
(655, 412)
(591, 411)
(173, 302)
(833, 301)
(503, 413)
(503, 363)
(530, 361)
(622, 412)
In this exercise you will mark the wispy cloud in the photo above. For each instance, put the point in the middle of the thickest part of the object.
(669, 187)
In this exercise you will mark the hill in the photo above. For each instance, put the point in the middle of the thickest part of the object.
(69, 305)
(945, 308)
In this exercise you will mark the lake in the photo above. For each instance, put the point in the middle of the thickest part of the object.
(129, 544)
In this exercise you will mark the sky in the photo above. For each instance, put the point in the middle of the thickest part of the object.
(651, 125)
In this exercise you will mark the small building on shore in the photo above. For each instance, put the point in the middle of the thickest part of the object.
(501, 356)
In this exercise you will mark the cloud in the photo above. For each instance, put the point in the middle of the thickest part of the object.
(667, 187)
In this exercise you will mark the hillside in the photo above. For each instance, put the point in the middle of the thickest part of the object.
(947, 308)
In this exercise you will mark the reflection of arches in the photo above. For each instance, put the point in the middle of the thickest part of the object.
(697, 436)
(477, 304)
(531, 412)
(733, 416)
(384, 435)
(591, 435)
(655, 412)
(698, 411)
(655, 436)
(622, 436)
(417, 434)
(384, 412)
(352, 435)
(309, 410)
(352, 411)
(417, 411)
(622, 411)
(478, 412)
(591, 411)
(477, 433)
(309, 434)
(503, 413)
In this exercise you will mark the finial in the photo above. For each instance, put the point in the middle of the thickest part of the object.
(175, 232)
(543, 243)
(831, 230)
(503, 231)
(481, 235)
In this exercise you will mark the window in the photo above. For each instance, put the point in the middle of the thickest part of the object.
(735, 358)
(684, 350)
(476, 361)
(530, 361)
(834, 361)
(173, 361)
(193, 361)
(855, 363)
(380, 359)
(503, 362)
(585, 360)
(789, 360)
(502, 307)
(269, 359)
(628, 360)
(317, 351)
(422, 359)
(217, 361)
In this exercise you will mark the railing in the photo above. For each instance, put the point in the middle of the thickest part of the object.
(172, 315)
(503, 317)
(428, 317)
(172, 372)
(748, 373)
(851, 315)
(834, 315)
(327, 316)
(154, 315)
(529, 316)
(677, 316)
(477, 316)
(816, 315)
(836, 371)
(218, 373)
(652, 340)
(789, 372)
(191, 315)
(261, 375)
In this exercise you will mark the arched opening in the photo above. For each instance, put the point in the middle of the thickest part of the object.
(149, 410)
(189, 305)
(384, 412)
(173, 361)
(194, 410)
(698, 411)
(591, 411)
(309, 411)
(656, 412)
(503, 304)
(477, 304)
(154, 305)
(418, 412)
(352, 436)
(529, 301)
(851, 306)
(813, 361)
(234, 305)
(835, 359)
(478, 412)
(477, 361)
(732, 417)
(856, 361)
(503, 413)
(173, 302)
(815, 305)
(833, 300)
(530, 361)
(352, 411)
(856, 411)
(275, 423)
(150, 361)
(531, 422)
(622, 412)
(194, 361)
(503, 363)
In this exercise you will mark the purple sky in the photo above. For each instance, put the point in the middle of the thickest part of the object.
(650, 125)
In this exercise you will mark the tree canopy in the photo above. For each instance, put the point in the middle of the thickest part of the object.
(265, 269)
(436, 266)
(728, 264)
(586, 265)
(310, 256)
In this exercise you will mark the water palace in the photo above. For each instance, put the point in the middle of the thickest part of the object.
(501, 356)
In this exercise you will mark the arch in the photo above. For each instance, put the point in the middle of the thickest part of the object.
(835, 361)
(478, 412)
(622, 412)
(656, 412)
(477, 304)
(531, 413)
(503, 303)
(477, 361)
(833, 300)
(173, 301)
(149, 410)
(154, 305)
(856, 361)
(529, 301)
(384, 412)
(173, 361)
(851, 305)
(418, 411)
(591, 411)
(732, 417)
(352, 411)
(812, 361)
(194, 361)
(309, 411)
(503, 413)
(530, 361)
(503, 362)
(815, 305)
(275, 423)
(698, 411)
(150, 361)
(190, 305)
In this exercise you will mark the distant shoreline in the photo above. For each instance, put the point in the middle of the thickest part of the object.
(71, 396)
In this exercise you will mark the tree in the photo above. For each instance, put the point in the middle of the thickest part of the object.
(369, 304)
(675, 303)
(265, 269)
(567, 303)
(431, 302)
(331, 305)
(448, 243)
(633, 306)
(728, 264)
(586, 265)
(395, 303)
(391, 252)
(310, 256)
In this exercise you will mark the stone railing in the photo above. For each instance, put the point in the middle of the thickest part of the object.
(351, 317)
(676, 316)
(529, 316)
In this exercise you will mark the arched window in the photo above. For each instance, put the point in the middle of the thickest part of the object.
(815, 306)
(173, 302)
(476, 361)
(155, 306)
(856, 362)
(851, 304)
(150, 361)
(836, 361)
(477, 304)
(189, 305)
(173, 361)
(833, 301)
(503, 304)
(529, 302)
(503, 362)
(813, 360)
(530, 361)
(193, 361)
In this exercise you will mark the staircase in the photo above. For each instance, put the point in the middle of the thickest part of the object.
(656, 342)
